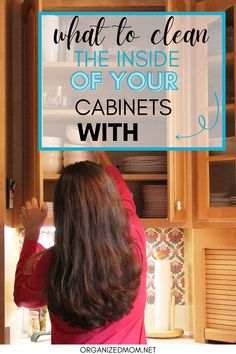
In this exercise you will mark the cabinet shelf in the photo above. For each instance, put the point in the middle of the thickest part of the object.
(229, 107)
(59, 113)
(74, 65)
(71, 112)
(51, 176)
(55, 114)
(147, 222)
(126, 176)
(216, 58)
(154, 222)
(62, 115)
(229, 157)
(144, 177)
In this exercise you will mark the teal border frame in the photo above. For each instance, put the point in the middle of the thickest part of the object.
(106, 13)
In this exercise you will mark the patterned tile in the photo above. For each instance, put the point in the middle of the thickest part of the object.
(166, 244)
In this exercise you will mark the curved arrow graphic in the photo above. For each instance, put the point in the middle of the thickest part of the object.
(202, 121)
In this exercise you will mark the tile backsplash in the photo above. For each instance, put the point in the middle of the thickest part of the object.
(168, 244)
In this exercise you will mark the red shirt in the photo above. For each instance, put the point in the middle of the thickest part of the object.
(31, 276)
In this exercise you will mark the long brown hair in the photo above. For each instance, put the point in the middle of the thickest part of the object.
(94, 275)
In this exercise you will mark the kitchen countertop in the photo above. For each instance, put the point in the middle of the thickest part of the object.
(162, 341)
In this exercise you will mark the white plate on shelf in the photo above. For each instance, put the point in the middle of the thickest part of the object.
(72, 135)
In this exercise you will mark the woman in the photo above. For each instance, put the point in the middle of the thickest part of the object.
(94, 279)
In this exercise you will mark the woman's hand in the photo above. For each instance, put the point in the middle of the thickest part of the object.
(33, 218)
(101, 155)
(104, 159)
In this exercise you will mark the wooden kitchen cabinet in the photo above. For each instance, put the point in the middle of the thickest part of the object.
(215, 172)
(214, 285)
(177, 179)
(214, 235)
(213, 238)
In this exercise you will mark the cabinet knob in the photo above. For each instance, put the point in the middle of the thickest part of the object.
(178, 205)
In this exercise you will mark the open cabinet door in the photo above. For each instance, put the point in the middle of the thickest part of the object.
(14, 164)
(23, 25)
(31, 158)
(179, 162)
(3, 115)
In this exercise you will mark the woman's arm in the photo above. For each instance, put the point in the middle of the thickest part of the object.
(29, 277)
(31, 271)
(104, 159)
(115, 174)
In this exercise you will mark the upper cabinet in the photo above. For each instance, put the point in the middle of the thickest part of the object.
(215, 172)
(161, 188)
